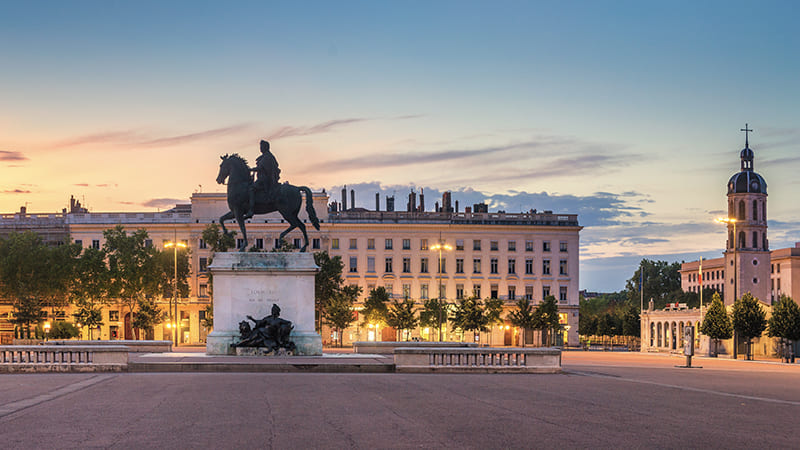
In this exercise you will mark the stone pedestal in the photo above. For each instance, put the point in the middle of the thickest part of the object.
(249, 283)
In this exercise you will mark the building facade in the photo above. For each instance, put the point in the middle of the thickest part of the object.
(500, 255)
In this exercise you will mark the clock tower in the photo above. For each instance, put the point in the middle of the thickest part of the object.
(747, 256)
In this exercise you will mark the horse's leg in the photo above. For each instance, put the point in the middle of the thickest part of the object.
(286, 231)
(302, 227)
(227, 216)
(240, 219)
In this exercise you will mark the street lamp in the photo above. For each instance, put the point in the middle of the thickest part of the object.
(732, 221)
(440, 246)
(46, 330)
(174, 246)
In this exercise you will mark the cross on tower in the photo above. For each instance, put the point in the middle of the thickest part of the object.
(746, 130)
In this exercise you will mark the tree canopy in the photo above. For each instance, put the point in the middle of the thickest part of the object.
(401, 315)
(785, 320)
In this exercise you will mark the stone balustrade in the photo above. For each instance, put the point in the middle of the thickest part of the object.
(387, 347)
(164, 346)
(63, 358)
(478, 360)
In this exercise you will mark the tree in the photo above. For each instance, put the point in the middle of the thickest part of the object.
(523, 317)
(401, 316)
(661, 280)
(90, 288)
(89, 315)
(147, 315)
(433, 311)
(376, 310)
(63, 330)
(785, 320)
(216, 241)
(340, 313)
(34, 276)
(548, 320)
(132, 266)
(749, 320)
(716, 324)
(165, 261)
(468, 315)
(327, 282)
(493, 308)
(631, 323)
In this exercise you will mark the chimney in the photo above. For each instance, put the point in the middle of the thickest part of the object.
(23, 209)
(352, 198)
(421, 200)
(411, 206)
(436, 206)
(344, 198)
(468, 209)
(377, 201)
(390, 203)
(456, 205)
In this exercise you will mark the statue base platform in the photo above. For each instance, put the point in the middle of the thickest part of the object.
(250, 283)
(261, 351)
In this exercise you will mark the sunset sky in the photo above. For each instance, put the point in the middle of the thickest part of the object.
(626, 113)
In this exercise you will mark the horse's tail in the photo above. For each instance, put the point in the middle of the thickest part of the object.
(312, 214)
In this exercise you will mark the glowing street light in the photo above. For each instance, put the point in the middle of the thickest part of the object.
(439, 246)
(46, 327)
(174, 246)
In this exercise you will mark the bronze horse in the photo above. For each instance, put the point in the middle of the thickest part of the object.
(287, 199)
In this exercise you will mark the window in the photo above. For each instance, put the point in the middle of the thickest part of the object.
(353, 244)
(201, 244)
(562, 294)
(387, 244)
(512, 246)
(406, 291)
(528, 246)
(493, 292)
(202, 292)
(423, 265)
(79, 242)
(459, 265)
(546, 246)
(370, 244)
(443, 265)
(562, 267)
(476, 290)
(423, 291)
(459, 244)
(778, 266)
(493, 246)
(529, 292)
(296, 243)
(406, 265)
(459, 291)
(96, 244)
(741, 210)
(476, 265)
(529, 267)
(546, 267)
(315, 243)
(562, 247)
(545, 291)
(443, 291)
(387, 265)
(476, 245)
(755, 239)
(239, 243)
(512, 292)
(493, 265)
(371, 264)
(353, 264)
(389, 289)
(259, 243)
(335, 244)
(113, 316)
(406, 244)
(512, 265)
(423, 244)
(203, 265)
(149, 243)
(277, 244)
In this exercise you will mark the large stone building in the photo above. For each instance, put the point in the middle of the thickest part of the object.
(498, 254)
(747, 265)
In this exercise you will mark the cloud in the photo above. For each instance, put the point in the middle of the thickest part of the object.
(12, 156)
(131, 138)
(16, 191)
(324, 127)
(163, 202)
(81, 184)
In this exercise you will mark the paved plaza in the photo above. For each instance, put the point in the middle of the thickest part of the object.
(603, 400)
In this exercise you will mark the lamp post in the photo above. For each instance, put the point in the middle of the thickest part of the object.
(440, 246)
(174, 324)
(729, 221)
(46, 327)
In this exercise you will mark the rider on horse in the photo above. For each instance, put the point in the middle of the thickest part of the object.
(268, 174)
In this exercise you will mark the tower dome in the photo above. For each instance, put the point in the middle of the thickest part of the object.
(747, 180)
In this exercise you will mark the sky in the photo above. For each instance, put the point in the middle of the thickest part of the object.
(626, 113)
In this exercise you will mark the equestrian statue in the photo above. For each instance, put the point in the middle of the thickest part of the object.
(247, 198)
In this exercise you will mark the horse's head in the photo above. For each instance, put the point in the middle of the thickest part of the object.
(233, 166)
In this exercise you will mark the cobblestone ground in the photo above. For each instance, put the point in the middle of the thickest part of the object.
(603, 400)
